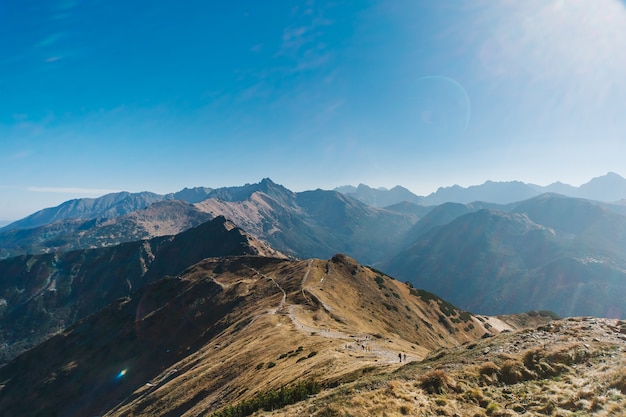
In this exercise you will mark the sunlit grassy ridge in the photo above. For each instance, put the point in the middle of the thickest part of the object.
(239, 333)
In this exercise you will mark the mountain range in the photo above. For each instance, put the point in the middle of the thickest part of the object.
(549, 252)
(236, 300)
(307, 224)
(536, 254)
(607, 188)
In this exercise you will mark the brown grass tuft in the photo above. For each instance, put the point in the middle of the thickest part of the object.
(489, 368)
(329, 410)
(618, 381)
(435, 382)
(512, 372)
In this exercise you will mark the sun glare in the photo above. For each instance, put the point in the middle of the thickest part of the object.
(562, 41)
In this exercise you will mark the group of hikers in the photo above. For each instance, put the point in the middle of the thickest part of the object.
(365, 347)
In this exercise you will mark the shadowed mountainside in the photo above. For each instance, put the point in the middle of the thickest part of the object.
(42, 294)
(550, 252)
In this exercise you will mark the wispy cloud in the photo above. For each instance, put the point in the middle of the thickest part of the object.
(302, 41)
(71, 190)
(17, 156)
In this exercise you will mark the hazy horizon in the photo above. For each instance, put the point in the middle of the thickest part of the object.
(78, 194)
(101, 97)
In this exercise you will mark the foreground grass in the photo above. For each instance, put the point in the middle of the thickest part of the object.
(574, 367)
(271, 400)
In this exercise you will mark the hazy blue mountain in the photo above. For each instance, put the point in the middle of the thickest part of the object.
(557, 188)
(410, 208)
(106, 207)
(380, 197)
(607, 188)
(490, 191)
(309, 224)
(550, 252)
(444, 214)
(42, 294)
(361, 231)
(596, 230)
(345, 189)
(190, 195)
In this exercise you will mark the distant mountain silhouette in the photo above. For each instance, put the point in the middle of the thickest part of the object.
(190, 195)
(549, 252)
(106, 207)
(608, 188)
(490, 191)
(443, 214)
(266, 186)
(412, 209)
(380, 197)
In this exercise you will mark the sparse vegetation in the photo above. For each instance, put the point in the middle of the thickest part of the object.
(379, 280)
(435, 382)
(550, 379)
(389, 306)
(271, 400)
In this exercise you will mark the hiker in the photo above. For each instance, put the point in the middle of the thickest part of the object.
(404, 357)
(400, 356)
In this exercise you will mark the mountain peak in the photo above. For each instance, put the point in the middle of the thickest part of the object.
(609, 187)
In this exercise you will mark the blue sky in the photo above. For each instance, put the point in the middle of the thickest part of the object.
(102, 96)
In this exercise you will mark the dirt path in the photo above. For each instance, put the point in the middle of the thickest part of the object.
(363, 344)
(281, 305)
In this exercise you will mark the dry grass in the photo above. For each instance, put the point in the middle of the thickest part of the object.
(510, 375)
(435, 382)
(294, 320)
